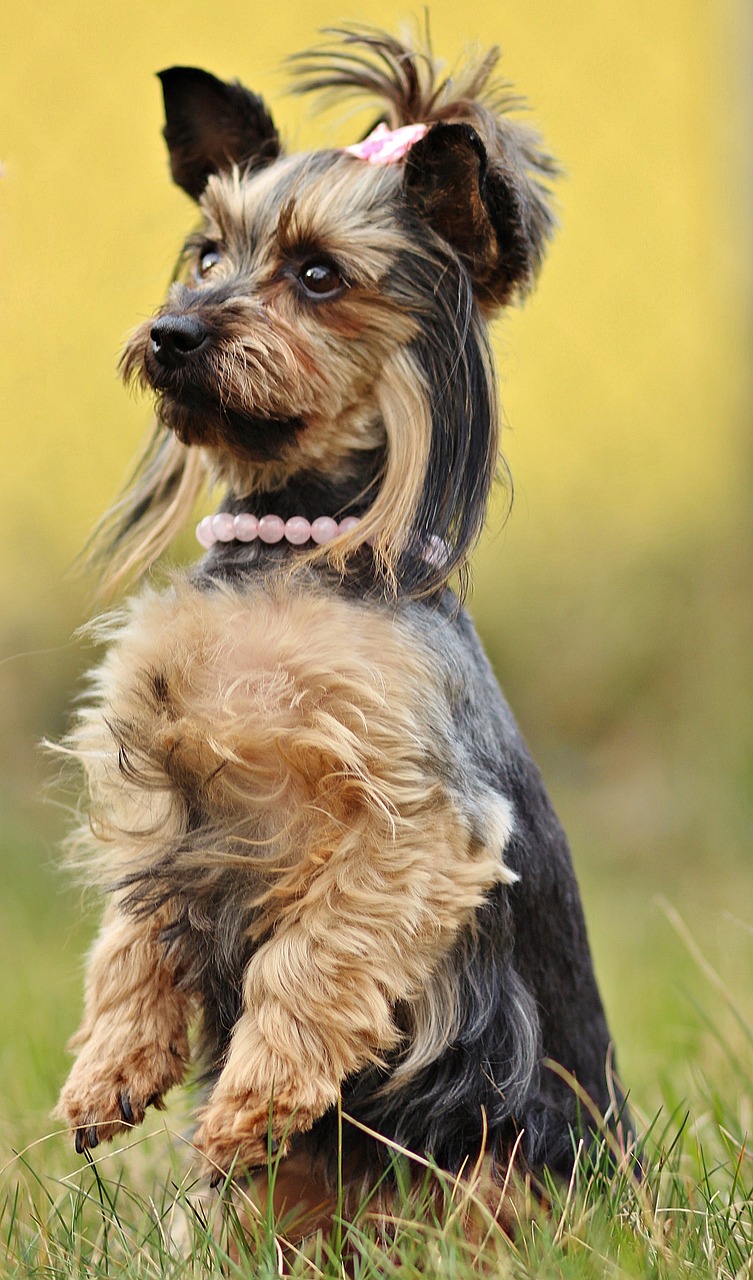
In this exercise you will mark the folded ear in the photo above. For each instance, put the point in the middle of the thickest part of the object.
(491, 211)
(211, 125)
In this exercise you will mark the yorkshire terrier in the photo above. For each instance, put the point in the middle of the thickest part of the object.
(321, 835)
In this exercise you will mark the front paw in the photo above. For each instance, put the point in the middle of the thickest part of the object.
(236, 1135)
(108, 1092)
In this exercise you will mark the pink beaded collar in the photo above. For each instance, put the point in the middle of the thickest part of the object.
(225, 527)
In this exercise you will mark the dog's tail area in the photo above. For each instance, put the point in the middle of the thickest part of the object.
(148, 513)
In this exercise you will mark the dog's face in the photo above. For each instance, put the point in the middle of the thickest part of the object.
(328, 320)
(294, 299)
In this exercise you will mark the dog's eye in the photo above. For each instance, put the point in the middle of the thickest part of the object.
(320, 279)
(208, 261)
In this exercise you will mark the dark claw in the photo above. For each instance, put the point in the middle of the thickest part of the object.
(80, 1141)
(217, 1179)
(274, 1146)
(91, 1136)
(125, 1107)
(154, 1101)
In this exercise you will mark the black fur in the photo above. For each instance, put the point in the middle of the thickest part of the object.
(476, 208)
(453, 355)
(211, 125)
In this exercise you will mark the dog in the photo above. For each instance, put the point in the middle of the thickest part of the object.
(319, 832)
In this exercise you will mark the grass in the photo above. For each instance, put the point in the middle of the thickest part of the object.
(686, 1042)
(692, 1215)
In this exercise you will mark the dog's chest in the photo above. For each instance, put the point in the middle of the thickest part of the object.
(268, 669)
(229, 721)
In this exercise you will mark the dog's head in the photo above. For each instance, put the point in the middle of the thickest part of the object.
(328, 322)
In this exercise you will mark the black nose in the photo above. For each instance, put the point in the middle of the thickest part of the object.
(175, 338)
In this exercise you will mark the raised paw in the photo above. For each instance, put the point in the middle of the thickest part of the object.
(107, 1093)
(235, 1135)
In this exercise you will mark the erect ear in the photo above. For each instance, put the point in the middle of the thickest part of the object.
(493, 215)
(211, 125)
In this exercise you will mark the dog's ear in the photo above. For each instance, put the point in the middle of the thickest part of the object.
(493, 214)
(211, 125)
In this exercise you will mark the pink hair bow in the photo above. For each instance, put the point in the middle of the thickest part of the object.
(387, 146)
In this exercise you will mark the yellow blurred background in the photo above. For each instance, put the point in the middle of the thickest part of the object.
(616, 600)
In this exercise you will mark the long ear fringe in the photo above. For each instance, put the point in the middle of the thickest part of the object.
(387, 523)
(439, 408)
(463, 459)
(148, 514)
(453, 362)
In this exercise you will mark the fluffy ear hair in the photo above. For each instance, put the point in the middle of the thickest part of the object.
(488, 210)
(211, 125)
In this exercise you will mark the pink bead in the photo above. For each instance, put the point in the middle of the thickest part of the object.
(297, 530)
(271, 529)
(205, 533)
(223, 527)
(246, 527)
(324, 529)
(350, 522)
(437, 551)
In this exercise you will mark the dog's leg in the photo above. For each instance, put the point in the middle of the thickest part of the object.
(133, 1041)
(319, 993)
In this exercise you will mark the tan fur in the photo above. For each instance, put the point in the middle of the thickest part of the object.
(306, 728)
(432, 1017)
(133, 1040)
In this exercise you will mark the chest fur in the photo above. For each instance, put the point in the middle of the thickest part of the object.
(239, 740)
